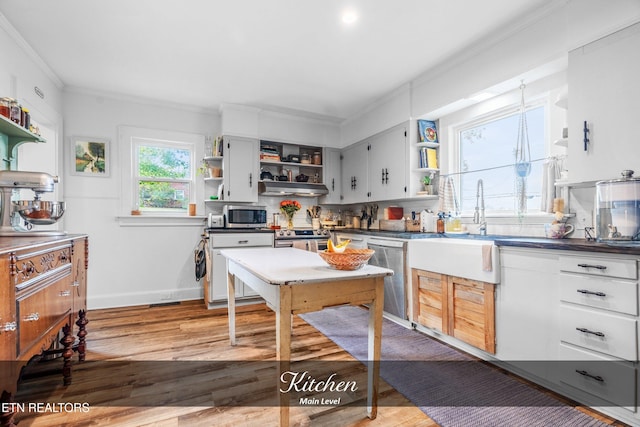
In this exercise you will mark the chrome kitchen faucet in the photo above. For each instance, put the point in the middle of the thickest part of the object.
(478, 215)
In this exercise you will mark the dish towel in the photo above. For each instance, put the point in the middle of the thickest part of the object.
(300, 244)
(447, 195)
(550, 172)
(487, 264)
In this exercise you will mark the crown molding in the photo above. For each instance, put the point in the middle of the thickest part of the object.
(28, 50)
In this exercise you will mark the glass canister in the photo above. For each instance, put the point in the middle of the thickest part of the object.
(15, 112)
(26, 118)
(618, 208)
(317, 158)
(5, 107)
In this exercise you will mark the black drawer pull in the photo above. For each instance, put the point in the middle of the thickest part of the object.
(587, 374)
(586, 331)
(599, 267)
(598, 294)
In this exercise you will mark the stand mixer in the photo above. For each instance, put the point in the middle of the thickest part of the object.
(30, 212)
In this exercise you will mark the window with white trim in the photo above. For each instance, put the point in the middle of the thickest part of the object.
(163, 175)
(159, 170)
(486, 150)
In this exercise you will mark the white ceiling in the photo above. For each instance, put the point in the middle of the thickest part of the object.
(283, 54)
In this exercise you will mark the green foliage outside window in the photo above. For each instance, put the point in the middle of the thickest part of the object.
(164, 177)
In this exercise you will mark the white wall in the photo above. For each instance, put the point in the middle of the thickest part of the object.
(140, 265)
(20, 72)
(259, 123)
(528, 51)
(133, 264)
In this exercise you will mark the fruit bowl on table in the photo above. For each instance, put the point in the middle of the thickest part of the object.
(350, 259)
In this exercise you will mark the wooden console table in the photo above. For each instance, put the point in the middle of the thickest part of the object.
(43, 290)
(293, 281)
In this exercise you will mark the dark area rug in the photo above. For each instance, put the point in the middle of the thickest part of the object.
(451, 387)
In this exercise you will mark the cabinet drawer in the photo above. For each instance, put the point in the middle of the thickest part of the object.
(235, 240)
(38, 311)
(612, 381)
(609, 294)
(600, 266)
(606, 333)
(32, 265)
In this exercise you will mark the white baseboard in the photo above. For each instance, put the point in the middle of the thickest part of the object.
(143, 298)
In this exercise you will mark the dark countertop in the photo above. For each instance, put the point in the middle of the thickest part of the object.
(237, 230)
(626, 248)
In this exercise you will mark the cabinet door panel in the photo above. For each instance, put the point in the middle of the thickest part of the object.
(354, 173)
(599, 331)
(38, 310)
(332, 176)
(592, 291)
(388, 165)
(241, 169)
(603, 92)
(430, 299)
(79, 283)
(472, 312)
(616, 383)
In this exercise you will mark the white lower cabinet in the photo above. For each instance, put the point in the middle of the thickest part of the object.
(569, 320)
(597, 380)
(527, 310)
(598, 331)
(216, 294)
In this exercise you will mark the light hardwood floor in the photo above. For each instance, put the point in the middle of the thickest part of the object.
(190, 332)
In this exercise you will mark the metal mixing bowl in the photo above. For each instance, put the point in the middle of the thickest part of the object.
(39, 212)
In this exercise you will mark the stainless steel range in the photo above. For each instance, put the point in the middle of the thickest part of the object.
(303, 238)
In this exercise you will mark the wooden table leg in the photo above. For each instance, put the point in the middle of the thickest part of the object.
(231, 306)
(67, 352)
(82, 334)
(283, 347)
(374, 346)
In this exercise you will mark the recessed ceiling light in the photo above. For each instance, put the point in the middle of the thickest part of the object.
(349, 16)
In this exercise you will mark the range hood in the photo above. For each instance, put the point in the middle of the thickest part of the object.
(286, 188)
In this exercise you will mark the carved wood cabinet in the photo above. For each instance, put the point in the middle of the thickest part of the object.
(42, 292)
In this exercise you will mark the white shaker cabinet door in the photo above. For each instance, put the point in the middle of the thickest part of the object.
(332, 176)
(241, 169)
(388, 165)
(604, 92)
(354, 173)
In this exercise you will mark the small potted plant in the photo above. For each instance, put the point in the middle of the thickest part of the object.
(427, 183)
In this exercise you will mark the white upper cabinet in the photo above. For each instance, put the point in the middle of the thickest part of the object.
(354, 173)
(241, 169)
(604, 93)
(375, 169)
(332, 176)
(388, 165)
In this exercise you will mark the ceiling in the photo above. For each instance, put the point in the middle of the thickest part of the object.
(293, 55)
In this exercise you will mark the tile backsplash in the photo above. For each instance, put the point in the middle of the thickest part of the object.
(580, 204)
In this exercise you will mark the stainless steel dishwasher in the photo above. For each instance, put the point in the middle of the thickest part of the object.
(392, 254)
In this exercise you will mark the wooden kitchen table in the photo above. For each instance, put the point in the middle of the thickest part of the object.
(294, 281)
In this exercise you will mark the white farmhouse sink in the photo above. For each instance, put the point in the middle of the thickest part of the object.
(456, 257)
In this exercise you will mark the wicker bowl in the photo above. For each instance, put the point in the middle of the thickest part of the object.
(350, 259)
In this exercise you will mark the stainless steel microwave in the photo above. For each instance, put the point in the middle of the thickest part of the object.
(239, 216)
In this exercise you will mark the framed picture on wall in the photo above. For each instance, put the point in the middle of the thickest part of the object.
(90, 156)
